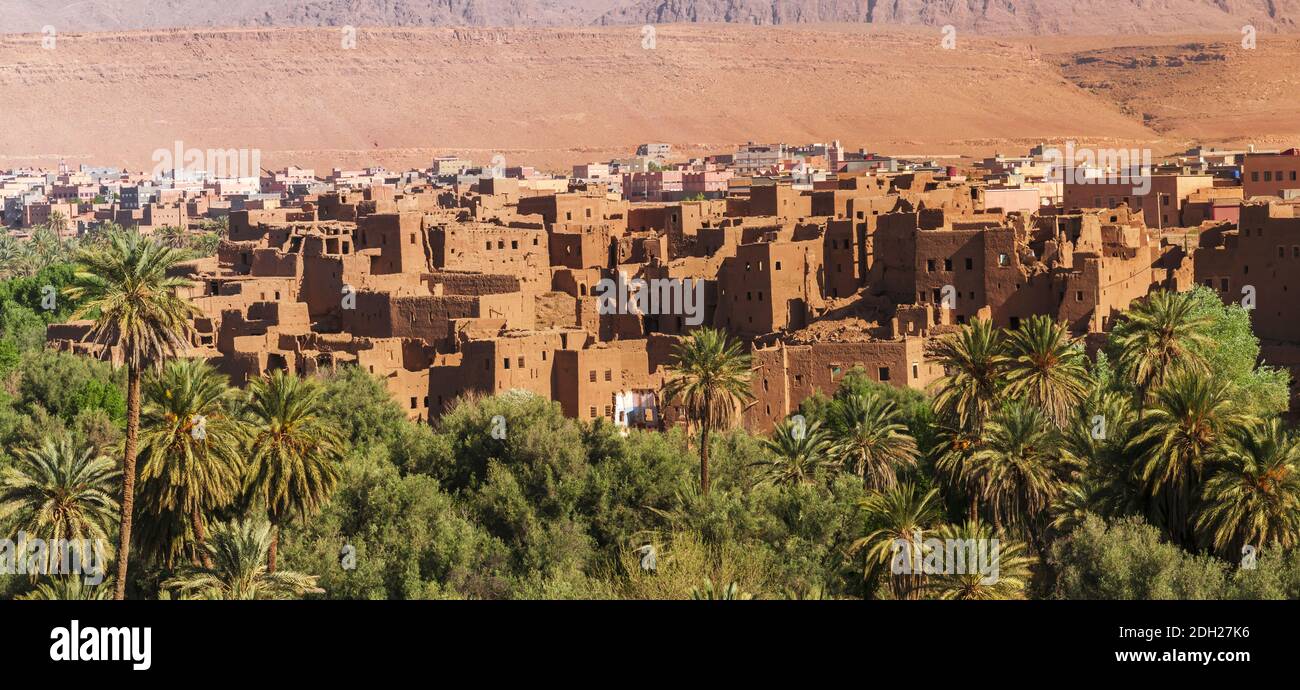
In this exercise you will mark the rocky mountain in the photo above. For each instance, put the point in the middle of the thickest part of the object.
(1044, 17)
(1081, 17)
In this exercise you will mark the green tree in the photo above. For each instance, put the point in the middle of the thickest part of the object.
(58, 492)
(1254, 496)
(1126, 559)
(238, 553)
(1188, 427)
(1017, 471)
(137, 309)
(1232, 354)
(869, 438)
(899, 520)
(292, 450)
(1159, 335)
(1006, 579)
(731, 592)
(953, 465)
(407, 539)
(1095, 448)
(799, 453)
(1046, 368)
(975, 359)
(191, 448)
(69, 589)
(711, 381)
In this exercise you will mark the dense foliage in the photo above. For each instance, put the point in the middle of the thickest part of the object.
(1145, 471)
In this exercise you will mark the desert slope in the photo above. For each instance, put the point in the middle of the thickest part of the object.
(1200, 88)
(542, 96)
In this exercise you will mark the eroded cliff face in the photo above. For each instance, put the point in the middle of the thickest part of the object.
(1040, 17)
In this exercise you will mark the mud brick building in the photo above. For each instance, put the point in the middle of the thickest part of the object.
(447, 289)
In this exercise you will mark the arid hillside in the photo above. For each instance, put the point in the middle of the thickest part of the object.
(1195, 88)
(551, 98)
(1038, 17)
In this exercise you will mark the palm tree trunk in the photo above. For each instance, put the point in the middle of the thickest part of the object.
(275, 547)
(704, 460)
(200, 537)
(128, 478)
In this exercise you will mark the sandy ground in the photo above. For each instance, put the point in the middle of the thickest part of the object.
(553, 97)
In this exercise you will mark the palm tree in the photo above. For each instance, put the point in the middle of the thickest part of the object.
(711, 382)
(137, 309)
(1158, 335)
(800, 453)
(1004, 575)
(1072, 507)
(292, 450)
(1189, 425)
(46, 244)
(974, 359)
(1016, 469)
(191, 446)
(15, 257)
(902, 516)
(731, 592)
(869, 438)
(1254, 496)
(1047, 369)
(238, 553)
(952, 463)
(173, 236)
(1096, 449)
(60, 493)
(69, 589)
